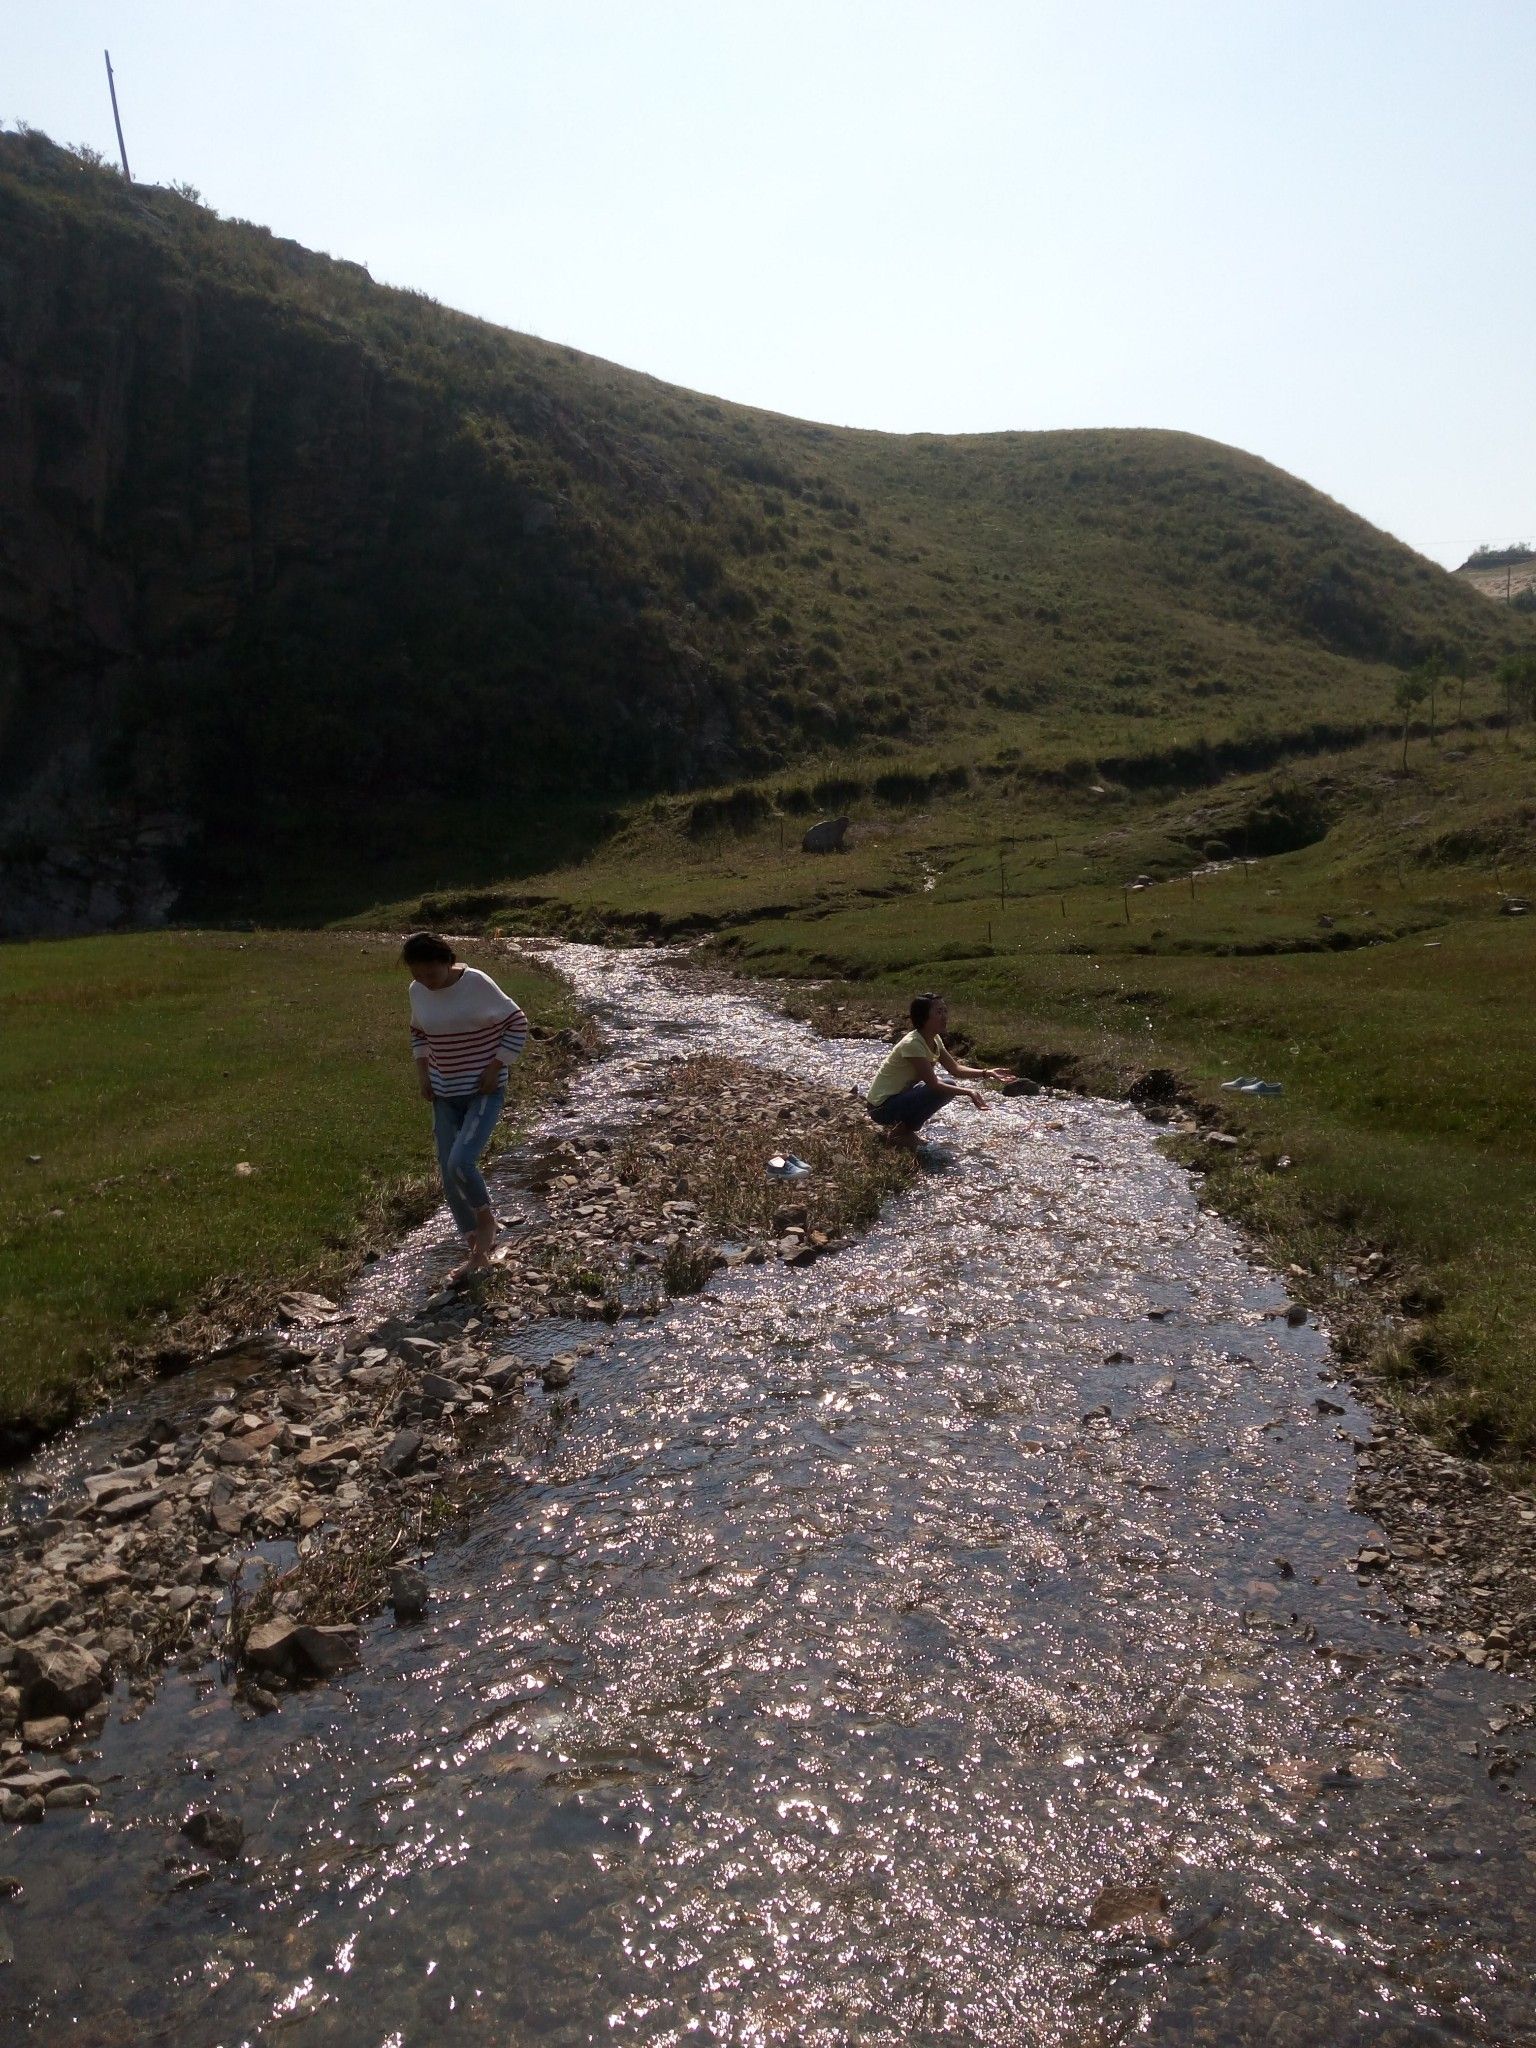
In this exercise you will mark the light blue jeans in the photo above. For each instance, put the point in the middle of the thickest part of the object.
(462, 1125)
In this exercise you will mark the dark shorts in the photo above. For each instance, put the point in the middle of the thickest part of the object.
(912, 1106)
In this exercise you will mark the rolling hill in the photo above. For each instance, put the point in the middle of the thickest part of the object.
(312, 591)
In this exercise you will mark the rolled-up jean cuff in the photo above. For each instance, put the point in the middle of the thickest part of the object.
(911, 1106)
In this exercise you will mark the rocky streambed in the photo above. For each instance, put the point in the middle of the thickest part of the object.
(965, 1636)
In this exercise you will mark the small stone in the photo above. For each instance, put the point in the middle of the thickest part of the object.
(339, 1453)
(221, 1834)
(235, 1451)
(1221, 1138)
(36, 1615)
(131, 1505)
(24, 1811)
(408, 1592)
(559, 1372)
(1296, 1315)
(70, 1797)
(99, 1578)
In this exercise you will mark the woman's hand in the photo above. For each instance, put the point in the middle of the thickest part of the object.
(490, 1079)
(1000, 1074)
(978, 1098)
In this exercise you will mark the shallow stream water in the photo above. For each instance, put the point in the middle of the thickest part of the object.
(933, 1646)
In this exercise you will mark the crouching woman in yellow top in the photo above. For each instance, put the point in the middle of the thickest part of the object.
(908, 1090)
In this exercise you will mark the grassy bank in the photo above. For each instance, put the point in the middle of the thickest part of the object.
(186, 1115)
(1360, 955)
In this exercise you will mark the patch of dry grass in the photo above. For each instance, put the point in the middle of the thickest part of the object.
(721, 1120)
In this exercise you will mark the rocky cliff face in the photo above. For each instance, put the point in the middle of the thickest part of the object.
(228, 537)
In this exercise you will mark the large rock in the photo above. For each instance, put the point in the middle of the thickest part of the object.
(401, 1453)
(221, 1834)
(408, 1592)
(57, 1676)
(827, 837)
(301, 1649)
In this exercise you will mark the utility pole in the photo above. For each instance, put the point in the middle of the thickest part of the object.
(122, 147)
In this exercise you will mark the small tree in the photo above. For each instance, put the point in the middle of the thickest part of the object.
(1458, 667)
(1410, 693)
(1432, 673)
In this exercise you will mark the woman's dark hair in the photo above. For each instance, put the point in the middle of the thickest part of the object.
(922, 1010)
(421, 947)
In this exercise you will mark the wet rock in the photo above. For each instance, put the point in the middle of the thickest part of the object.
(57, 1676)
(70, 1798)
(408, 1592)
(1139, 1910)
(22, 1810)
(295, 1649)
(220, 1834)
(400, 1454)
(559, 1372)
(1296, 1315)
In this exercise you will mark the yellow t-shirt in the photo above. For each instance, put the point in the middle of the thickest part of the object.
(900, 1069)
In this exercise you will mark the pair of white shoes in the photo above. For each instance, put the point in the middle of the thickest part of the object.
(1250, 1084)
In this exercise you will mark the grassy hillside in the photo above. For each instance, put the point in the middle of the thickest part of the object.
(1340, 926)
(381, 595)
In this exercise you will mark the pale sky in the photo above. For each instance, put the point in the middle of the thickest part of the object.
(1305, 228)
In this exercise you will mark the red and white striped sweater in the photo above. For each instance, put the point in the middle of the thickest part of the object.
(460, 1029)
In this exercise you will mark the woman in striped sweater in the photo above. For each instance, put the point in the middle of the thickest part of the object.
(465, 1033)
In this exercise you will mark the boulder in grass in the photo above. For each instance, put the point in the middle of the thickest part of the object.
(829, 836)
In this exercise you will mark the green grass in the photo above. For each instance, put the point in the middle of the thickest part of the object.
(1403, 1027)
(142, 1070)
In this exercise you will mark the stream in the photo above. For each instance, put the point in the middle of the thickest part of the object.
(952, 1642)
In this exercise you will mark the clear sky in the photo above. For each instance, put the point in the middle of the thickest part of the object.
(1307, 228)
